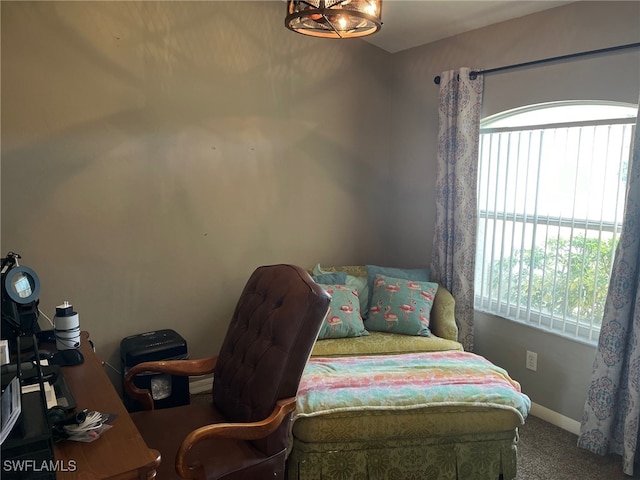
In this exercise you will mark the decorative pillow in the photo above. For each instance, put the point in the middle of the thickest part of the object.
(353, 270)
(335, 278)
(357, 282)
(343, 319)
(419, 274)
(401, 306)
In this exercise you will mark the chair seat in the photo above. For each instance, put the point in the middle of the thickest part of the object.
(225, 459)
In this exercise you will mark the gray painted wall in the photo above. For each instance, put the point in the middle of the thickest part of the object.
(153, 154)
(564, 366)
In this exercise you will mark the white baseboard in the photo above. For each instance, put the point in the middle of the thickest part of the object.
(554, 418)
(201, 384)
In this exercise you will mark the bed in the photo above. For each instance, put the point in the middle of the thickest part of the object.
(386, 405)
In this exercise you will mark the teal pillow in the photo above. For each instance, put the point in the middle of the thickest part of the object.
(343, 319)
(420, 274)
(401, 306)
(335, 278)
(359, 283)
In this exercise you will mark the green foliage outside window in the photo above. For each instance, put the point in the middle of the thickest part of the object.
(570, 275)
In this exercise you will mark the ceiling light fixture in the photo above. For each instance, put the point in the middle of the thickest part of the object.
(334, 18)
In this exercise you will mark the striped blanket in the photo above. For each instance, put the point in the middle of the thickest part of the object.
(406, 381)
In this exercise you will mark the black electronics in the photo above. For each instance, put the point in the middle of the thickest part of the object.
(64, 358)
(166, 390)
(31, 374)
(59, 418)
(27, 450)
(46, 336)
(20, 289)
(67, 358)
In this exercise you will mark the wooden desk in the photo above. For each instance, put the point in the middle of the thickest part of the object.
(120, 452)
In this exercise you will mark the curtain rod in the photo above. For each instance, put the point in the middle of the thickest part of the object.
(473, 74)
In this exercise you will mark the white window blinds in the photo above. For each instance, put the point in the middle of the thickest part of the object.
(550, 204)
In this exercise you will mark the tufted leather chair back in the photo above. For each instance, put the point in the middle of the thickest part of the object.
(267, 345)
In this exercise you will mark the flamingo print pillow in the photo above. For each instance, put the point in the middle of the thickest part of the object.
(401, 306)
(343, 319)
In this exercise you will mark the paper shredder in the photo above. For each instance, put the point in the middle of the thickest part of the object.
(166, 390)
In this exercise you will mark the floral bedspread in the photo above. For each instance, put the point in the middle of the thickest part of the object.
(406, 381)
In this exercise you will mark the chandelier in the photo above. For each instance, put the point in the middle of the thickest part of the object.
(334, 18)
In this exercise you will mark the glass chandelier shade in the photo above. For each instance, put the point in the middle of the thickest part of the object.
(334, 18)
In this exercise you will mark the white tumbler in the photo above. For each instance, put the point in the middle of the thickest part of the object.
(66, 326)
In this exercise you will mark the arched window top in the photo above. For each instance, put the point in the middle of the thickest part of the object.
(561, 112)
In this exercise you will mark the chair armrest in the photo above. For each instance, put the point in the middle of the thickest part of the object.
(239, 431)
(183, 368)
(443, 317)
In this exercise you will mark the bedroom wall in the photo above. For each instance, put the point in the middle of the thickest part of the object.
(155, 153)
(564, 366)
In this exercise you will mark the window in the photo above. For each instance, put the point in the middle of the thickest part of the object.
(551, 190)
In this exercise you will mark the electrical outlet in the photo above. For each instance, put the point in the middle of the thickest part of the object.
(532, 360)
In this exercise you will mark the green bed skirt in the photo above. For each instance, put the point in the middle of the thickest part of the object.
(481, 456)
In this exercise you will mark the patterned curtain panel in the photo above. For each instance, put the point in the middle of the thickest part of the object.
(454, 243)
(612, 410)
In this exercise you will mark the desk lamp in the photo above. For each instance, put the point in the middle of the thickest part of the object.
(20, 290)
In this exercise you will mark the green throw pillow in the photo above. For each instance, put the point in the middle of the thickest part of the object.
(401, 306)
(343, 319)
